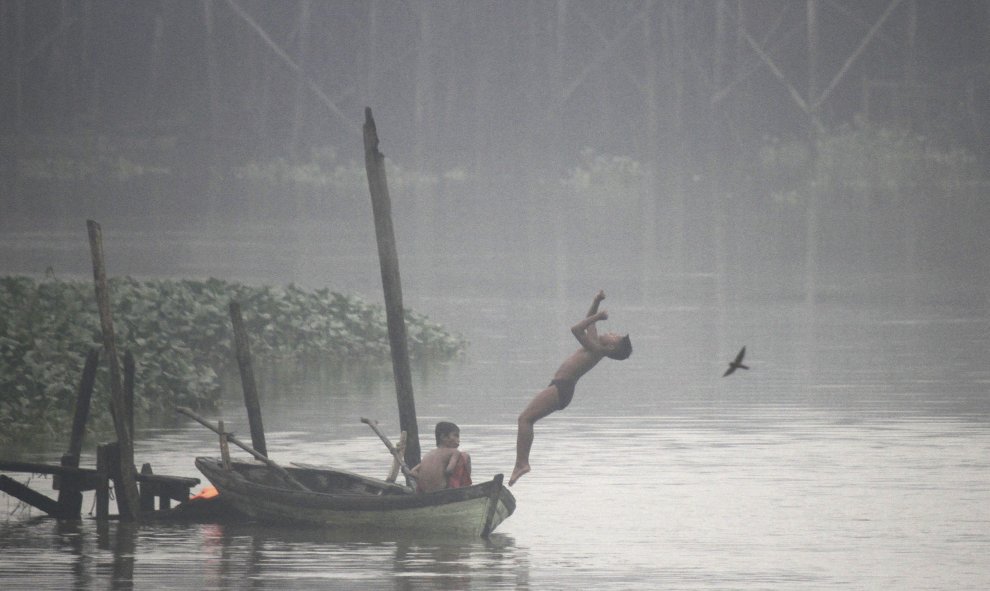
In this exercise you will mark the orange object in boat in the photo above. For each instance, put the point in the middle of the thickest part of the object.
(208, 492)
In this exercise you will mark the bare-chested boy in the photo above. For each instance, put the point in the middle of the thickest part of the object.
(445, 466)
(558, 394)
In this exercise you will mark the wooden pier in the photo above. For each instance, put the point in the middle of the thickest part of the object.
(71, 481)
(135, 492)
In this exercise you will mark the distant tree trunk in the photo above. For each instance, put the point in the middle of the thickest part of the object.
(90, 67)
(374, 42)
(533, 196)
(675, 165)
(303, 209)
(299, 101)
(424, 124)
(650, 194)
(717, 164)
(811, 211)
(152, 104)
(215, 113)
(558, 212)
(14, 45)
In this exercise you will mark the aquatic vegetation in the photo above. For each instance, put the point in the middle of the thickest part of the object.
(180, 334)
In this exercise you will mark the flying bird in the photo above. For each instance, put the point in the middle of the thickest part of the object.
(736, 363)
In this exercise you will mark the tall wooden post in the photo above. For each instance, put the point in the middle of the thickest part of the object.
(127, 493)
(242, 349)
(389, 260)
(69, 499)
(102, 482)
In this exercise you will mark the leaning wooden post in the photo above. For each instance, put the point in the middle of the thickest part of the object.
(127, 492)
(389, 260)
(243, 351)
(69, 499)
(129, 370)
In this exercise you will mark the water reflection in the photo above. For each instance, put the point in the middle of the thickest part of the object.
(249, 557)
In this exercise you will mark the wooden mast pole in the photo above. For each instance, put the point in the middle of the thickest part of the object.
(391, 283)
(242, 348)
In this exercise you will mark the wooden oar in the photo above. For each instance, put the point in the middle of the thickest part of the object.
(391, 448)
(260, 456)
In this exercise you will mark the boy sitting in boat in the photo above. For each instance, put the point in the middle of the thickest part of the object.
(558, 394)
(445, 466)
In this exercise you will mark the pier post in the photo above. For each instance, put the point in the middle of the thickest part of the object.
(147, 491)
(102, 482)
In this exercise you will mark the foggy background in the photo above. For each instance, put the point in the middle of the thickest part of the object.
(734, 142)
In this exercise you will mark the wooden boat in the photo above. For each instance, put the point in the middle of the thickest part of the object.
(344, 500)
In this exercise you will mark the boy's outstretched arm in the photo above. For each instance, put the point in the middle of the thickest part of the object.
(594, 305)
(592, 329)
(586, 334)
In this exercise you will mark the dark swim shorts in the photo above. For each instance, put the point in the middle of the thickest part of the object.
(565, 392)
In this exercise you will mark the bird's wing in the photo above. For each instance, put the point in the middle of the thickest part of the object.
(742, 353)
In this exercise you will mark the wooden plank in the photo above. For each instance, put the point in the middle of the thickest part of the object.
(26, 494)
(38, 468)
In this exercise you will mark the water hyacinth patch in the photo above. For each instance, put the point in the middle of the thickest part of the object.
(180, 334)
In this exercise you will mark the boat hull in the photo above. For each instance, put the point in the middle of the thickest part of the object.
(259, 493)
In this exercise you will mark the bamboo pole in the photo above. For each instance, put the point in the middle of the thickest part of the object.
(242, 347)
(392, 285)
(271, 464)
(392, 450)
(127, 493)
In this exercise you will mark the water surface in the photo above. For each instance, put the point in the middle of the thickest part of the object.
(855, 454)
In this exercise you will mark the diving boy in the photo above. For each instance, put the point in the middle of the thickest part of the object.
(445, 466)
(558, 394)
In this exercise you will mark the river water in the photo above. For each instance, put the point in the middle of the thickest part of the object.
(855, 454)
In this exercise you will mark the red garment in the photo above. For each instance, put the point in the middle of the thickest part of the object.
(461, 476)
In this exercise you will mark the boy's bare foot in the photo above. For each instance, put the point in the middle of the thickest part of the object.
(517, 473)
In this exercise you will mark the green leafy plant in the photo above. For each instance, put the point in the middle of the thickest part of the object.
(179, 333)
